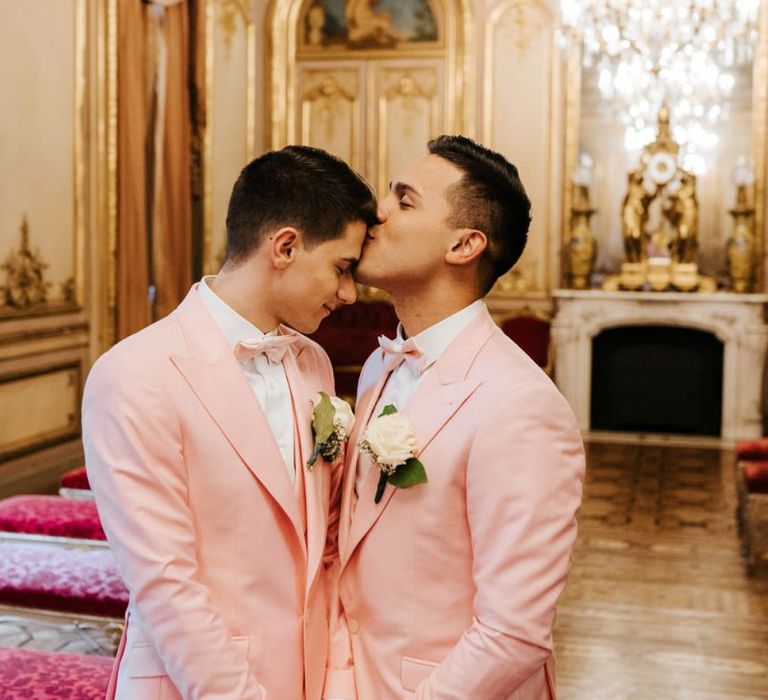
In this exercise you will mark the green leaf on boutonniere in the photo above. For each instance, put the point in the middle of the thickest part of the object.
(322, 426)
(322, 418)
(388, 410)
(408, 474)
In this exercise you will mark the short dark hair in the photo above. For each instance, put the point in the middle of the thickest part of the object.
(298, 186)
(490, 198)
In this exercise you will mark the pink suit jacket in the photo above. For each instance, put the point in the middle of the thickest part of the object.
(449, 587)
(222, 554)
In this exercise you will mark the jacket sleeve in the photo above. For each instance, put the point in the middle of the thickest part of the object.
(135, 460)
(523, 484)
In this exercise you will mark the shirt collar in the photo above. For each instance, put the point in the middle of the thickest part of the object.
(234, 327)
(434, 341)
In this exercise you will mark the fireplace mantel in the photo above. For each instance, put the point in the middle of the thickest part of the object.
(738, 320)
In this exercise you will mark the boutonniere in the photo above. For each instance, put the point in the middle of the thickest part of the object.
(390, 442)
(332, 421)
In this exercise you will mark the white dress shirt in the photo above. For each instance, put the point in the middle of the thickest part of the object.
(267, 379)
(404, 380)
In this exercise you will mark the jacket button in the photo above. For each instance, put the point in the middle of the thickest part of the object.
(354, 628)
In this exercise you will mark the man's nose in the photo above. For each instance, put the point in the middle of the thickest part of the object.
(382, 213)
(347, 293)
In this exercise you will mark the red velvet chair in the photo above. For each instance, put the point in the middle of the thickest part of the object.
(752, 501)
(51, 515)
(28, 674)
(349, 335)
(532, 334)
(752, 449)
(48, 575)
(75, 479)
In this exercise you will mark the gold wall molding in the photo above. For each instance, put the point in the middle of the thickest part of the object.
(41, 407)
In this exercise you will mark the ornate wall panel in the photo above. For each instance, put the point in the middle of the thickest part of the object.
(406, 111)
(331, 100)
(414, 67)
(57, 226)
(41, 206)
(39, 408)
(232, 70)
(521, 119)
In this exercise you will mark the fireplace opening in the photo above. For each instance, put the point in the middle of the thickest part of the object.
(659, 379)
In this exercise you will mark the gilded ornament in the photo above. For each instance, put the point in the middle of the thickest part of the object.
(25, 283)
(582, 246)
(741, 244)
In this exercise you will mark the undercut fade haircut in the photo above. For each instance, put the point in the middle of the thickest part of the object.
(490, 197)
(298, 186)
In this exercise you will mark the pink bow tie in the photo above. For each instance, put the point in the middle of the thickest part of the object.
(396, 351)
(272, 346)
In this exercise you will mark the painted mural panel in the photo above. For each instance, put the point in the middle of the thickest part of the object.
(368, 24)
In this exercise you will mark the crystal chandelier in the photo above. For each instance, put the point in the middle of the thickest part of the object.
(680, 52)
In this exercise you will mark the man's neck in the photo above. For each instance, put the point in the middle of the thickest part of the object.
(237, 290)
(419, 311)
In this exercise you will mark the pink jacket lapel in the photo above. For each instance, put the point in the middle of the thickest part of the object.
(443, 391)
(298, 371)
(215, 377)
(363, 410)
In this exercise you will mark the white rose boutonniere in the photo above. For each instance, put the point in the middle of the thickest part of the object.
(332, 422)
(390, 442)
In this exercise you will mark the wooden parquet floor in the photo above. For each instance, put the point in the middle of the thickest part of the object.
(658, 606)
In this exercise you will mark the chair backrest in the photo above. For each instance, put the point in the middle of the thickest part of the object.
(349, 335)
(532, 334)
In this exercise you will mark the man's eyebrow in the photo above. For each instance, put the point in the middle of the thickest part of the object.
(401, 188)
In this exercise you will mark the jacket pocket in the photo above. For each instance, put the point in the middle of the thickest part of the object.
(414, 671)
(143, 661)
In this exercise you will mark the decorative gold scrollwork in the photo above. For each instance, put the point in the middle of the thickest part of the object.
(229, 11)
(25, 283)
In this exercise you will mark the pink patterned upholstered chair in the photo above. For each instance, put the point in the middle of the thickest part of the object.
(27, 674)
(49, 575)
(51, 515)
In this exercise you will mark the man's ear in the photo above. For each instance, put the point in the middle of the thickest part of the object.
(283, 244)
(469, 246)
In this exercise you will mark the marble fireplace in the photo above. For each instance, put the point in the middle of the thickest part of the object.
(736, 320)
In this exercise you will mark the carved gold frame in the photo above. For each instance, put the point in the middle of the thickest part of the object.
(759, 142)
(280, 91)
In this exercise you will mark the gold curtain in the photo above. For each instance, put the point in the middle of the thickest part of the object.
(172, 220)
(133, 310)
(155, 142)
